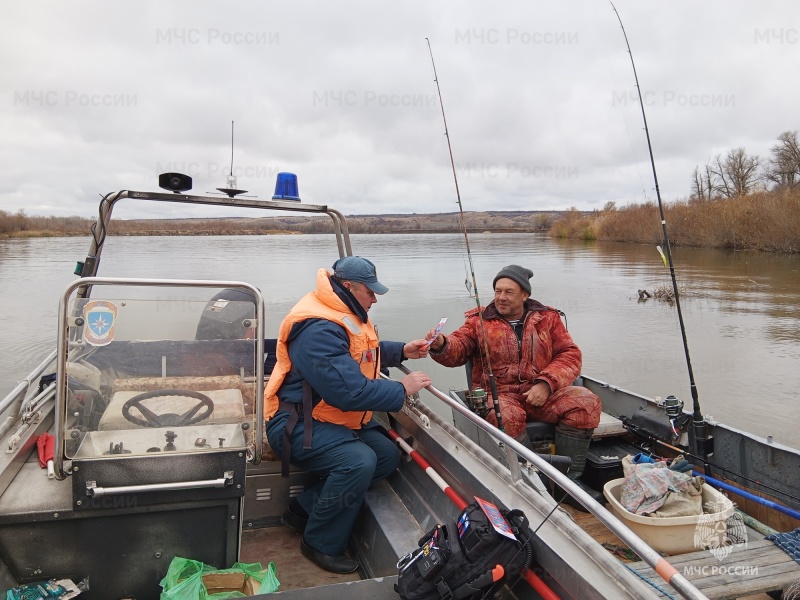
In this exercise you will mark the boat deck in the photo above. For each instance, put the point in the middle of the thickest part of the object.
(300, 579)
(747, 572)
(759, 567)
(281, 545)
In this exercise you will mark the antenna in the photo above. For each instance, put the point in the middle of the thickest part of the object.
(230, 188)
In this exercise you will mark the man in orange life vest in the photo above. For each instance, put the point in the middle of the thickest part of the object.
(319, 402)
(534, 360)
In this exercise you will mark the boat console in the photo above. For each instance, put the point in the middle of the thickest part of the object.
(156, 417)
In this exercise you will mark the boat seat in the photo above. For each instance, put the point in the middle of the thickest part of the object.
(270, 356)
(538, 431)
(609, 426)
(148, 358)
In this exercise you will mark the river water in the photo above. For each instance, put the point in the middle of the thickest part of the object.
(741, 309)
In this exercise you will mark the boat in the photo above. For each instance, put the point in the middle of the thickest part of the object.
(154, 399)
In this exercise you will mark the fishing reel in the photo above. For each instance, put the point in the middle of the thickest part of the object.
(476, 401)
(673, 407)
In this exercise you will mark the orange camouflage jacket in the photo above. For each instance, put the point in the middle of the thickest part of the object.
(547, 352)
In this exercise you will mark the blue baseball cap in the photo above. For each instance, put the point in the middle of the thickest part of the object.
(355, 268)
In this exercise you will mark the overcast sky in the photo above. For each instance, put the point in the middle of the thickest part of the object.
(539, 97)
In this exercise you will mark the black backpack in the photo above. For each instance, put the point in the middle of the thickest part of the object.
(466, 558)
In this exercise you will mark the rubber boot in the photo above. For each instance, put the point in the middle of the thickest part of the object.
(574, 442)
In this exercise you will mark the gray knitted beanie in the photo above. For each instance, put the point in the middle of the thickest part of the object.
(519, 274)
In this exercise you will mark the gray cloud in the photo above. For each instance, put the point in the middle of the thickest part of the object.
(540, 99)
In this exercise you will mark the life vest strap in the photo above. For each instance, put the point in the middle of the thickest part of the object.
(295, 410)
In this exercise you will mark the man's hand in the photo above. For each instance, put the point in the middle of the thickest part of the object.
(416, 349)
(415, 381)
(538, 394)
(438, 340)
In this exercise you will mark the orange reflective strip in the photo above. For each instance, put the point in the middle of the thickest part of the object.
(665, 569)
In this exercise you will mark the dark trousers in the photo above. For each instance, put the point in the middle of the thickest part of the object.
(349, 462)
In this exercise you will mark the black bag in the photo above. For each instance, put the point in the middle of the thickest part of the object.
(466, 558)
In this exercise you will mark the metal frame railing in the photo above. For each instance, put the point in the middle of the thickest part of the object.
(107, 204)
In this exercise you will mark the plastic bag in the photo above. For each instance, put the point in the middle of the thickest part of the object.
(41, 590)
(61, 589)
(270, 583)
(184, 580)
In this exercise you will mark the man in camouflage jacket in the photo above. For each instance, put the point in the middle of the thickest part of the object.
(534, 361)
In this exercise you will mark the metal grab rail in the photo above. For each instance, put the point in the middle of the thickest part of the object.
(27, 418)
(23, 386)
(37, 401)
(107, 204)
(639, 546)
(95, 491)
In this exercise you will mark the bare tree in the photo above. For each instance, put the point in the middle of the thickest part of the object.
(735, 175)
(609, 206)
(697, 185)
(719, 178)
(743, 171)
(783, 168)
(702, 183)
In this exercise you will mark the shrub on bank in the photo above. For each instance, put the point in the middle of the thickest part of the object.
(575, 224)
(12, 224)
(768, 221)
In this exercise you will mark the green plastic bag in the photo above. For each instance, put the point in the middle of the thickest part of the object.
(184, 579)
(270, 583)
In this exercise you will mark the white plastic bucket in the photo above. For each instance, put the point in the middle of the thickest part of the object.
(676, 535)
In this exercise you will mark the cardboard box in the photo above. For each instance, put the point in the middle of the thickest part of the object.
(220, 581)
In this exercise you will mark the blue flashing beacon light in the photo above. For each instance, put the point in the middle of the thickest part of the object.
(286, 187)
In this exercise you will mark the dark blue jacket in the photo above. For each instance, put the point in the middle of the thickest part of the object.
(320, 354)
(319, 350)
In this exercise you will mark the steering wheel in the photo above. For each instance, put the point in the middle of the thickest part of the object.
(190, 417)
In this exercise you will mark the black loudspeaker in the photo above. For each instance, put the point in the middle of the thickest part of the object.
(175, 182)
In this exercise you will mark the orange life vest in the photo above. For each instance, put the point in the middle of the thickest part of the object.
(323, 303)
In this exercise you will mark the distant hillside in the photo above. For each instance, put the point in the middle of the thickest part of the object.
(497, 221)
(494, 221)
(21, 225)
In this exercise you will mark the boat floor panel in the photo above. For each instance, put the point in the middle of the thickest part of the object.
(759, 567)
(381, 588)
(592, 525)
(754, 570)
(281, 545)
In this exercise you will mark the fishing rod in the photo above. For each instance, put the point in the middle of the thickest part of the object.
(698, 422)
(484, 338)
